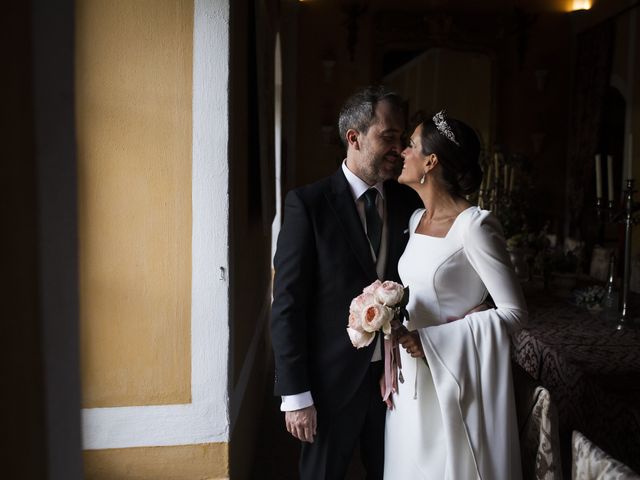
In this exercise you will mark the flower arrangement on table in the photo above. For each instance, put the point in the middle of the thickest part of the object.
(544, 258)
(557, 262)
(381, 307)
(589, 297)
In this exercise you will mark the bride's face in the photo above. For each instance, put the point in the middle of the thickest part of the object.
(414, 159)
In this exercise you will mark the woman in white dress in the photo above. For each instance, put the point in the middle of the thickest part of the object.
(453, 415)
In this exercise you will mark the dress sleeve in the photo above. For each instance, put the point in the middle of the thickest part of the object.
(486, 249)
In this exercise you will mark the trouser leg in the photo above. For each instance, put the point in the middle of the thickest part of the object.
(329, 456)
(372, 437)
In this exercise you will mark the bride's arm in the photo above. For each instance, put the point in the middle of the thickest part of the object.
(486, 250)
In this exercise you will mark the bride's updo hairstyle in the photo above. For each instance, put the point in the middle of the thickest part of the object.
(458, 149)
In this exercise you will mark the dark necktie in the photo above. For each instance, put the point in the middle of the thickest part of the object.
(373, 220)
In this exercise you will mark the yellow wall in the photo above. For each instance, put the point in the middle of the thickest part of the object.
(184, 462)
(133, 112)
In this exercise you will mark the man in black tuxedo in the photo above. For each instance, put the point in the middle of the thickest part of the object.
(339, 235)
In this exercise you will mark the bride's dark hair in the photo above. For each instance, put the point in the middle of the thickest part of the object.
(461, 172)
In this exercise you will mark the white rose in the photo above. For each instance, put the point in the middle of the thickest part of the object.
(360, 339)
(373, 287)
(374, 316)
(389, 293)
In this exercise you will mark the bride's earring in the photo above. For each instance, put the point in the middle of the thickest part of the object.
(422, 178)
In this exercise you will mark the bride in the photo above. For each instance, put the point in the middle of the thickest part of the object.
(452, 415)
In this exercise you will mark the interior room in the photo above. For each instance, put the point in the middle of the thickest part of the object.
(150, 146)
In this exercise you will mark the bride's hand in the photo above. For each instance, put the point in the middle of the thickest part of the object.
(388, 401)
(410, 341)
(397, 328)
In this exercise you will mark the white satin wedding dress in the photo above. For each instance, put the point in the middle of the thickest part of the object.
(456, 418)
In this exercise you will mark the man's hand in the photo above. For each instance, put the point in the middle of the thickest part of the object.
(302, 423)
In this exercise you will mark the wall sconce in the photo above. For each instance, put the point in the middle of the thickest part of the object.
(580, 5)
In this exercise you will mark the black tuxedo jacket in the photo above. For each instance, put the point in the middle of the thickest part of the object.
(322, 262)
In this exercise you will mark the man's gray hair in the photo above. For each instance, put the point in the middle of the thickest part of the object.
(359, 109)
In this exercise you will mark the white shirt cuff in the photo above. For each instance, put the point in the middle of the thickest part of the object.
(296, 402)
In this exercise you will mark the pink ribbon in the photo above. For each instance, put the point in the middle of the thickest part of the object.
(391, 364)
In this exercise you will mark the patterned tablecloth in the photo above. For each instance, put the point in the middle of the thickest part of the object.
(591, 370)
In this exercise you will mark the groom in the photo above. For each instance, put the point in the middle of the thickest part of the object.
(339, 235)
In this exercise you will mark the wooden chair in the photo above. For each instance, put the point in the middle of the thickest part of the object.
(538, 428)
(589, 462)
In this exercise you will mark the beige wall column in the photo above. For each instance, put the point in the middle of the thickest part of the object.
(152, 120)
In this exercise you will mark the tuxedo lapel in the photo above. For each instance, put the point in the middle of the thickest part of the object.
(344, 208)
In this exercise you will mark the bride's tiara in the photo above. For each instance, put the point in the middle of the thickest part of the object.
(443, 127)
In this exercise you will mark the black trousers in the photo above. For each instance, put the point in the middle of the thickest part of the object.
(329, 456)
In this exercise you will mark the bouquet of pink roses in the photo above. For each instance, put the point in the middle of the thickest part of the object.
(374, 309)
(382, 306)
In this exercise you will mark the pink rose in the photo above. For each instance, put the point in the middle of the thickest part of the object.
(374, 316)
(360, 339)
(389, 293)
(360, 302)
(354, 322)
(373, 287)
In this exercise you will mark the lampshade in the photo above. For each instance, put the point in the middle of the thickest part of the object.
(580, 5)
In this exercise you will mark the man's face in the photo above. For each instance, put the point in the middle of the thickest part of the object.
(380, 148)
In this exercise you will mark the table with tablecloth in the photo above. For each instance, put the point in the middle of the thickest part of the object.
(591, 369)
